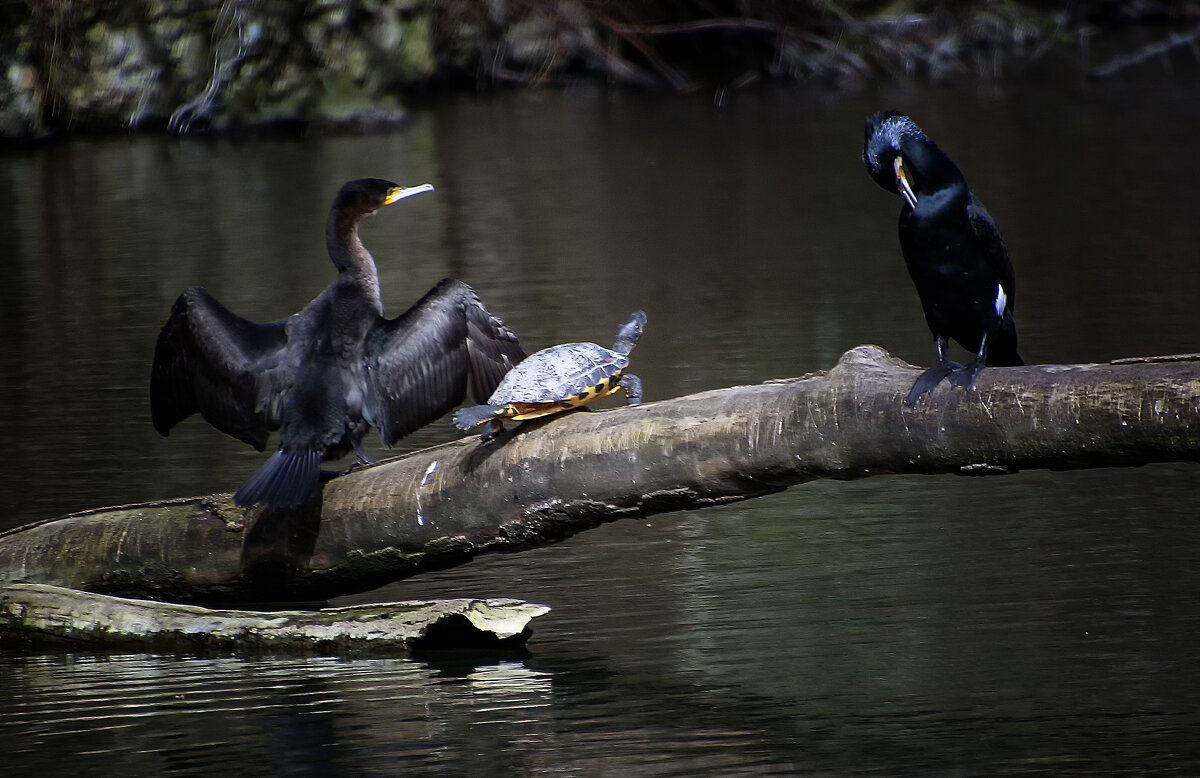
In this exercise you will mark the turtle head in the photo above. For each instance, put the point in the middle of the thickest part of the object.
(629, 332)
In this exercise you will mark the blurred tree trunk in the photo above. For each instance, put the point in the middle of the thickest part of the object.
(546, 480)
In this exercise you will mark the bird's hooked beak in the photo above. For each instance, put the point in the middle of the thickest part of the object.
(902, 184)
(400, 192)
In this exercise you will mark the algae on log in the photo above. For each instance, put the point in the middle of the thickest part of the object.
(41, 613)
(548, 479)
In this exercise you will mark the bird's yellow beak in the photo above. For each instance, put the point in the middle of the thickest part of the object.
(400, 192)
(902, 183)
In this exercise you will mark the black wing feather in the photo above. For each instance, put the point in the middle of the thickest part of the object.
(995, 253)
(207, 360)
(1002, 343)
(420, 365)
(492, 348)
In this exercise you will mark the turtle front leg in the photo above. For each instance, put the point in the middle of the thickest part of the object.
(633, 388)
(491, 430)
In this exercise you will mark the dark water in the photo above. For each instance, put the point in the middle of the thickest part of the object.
(1037, 623)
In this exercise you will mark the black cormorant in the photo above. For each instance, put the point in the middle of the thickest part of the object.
(325, 374)
(954, 253)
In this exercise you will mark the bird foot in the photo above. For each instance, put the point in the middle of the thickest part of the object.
(926, 382)
(361, 455)
(329, 475)
(966, 374)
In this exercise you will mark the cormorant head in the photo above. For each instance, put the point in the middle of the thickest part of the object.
(903, 160)
(629, 332)
(355, 201)
(884, 136)
(364, 196)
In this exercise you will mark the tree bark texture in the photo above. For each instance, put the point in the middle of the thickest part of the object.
(41, 613)
(545, 480)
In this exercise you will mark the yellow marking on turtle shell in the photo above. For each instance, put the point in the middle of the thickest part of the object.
(523, 411)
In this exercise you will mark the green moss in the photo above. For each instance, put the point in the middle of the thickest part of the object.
(416, 55)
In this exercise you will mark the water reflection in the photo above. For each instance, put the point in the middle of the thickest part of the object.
(1043, 622)
(840, 628)
(858, 626)
(314, 716)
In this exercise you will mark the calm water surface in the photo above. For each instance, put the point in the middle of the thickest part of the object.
(1036, 623)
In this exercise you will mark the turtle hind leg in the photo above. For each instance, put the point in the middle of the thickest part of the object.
(466, 418)
(633, 388)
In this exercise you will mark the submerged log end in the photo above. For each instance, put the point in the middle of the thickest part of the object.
(37, 613)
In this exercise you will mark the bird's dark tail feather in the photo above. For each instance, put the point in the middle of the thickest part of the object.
(467, 418)
(1003, 353)
(286, 479)
(1002, 346)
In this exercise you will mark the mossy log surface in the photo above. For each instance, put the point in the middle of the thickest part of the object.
(41, 614)
(545, 480)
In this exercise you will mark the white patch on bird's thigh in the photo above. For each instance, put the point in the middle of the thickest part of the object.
(1001, 300)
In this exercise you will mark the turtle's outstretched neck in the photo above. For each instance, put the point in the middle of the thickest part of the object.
(629, 332)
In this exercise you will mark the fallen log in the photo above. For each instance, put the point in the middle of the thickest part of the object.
(42, 614)
(543, 481)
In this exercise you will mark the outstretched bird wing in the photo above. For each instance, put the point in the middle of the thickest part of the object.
(209, 360)
(421, 364)
(994, 251)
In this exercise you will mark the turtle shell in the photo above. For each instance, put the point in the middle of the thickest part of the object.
(559, 372)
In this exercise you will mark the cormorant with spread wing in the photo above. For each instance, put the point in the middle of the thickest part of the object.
(954, 253)
(325, 374)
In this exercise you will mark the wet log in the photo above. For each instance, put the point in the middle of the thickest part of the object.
(48, 614)
(548, 479)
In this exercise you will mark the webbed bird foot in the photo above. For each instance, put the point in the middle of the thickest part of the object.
(926, 382)
(327, 475)
(361, 456)
(966, 374)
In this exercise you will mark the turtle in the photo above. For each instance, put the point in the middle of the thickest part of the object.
(559, 378)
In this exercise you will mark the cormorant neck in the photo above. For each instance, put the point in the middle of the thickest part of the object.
(355, 265)
(932, 171)
(346, 250)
